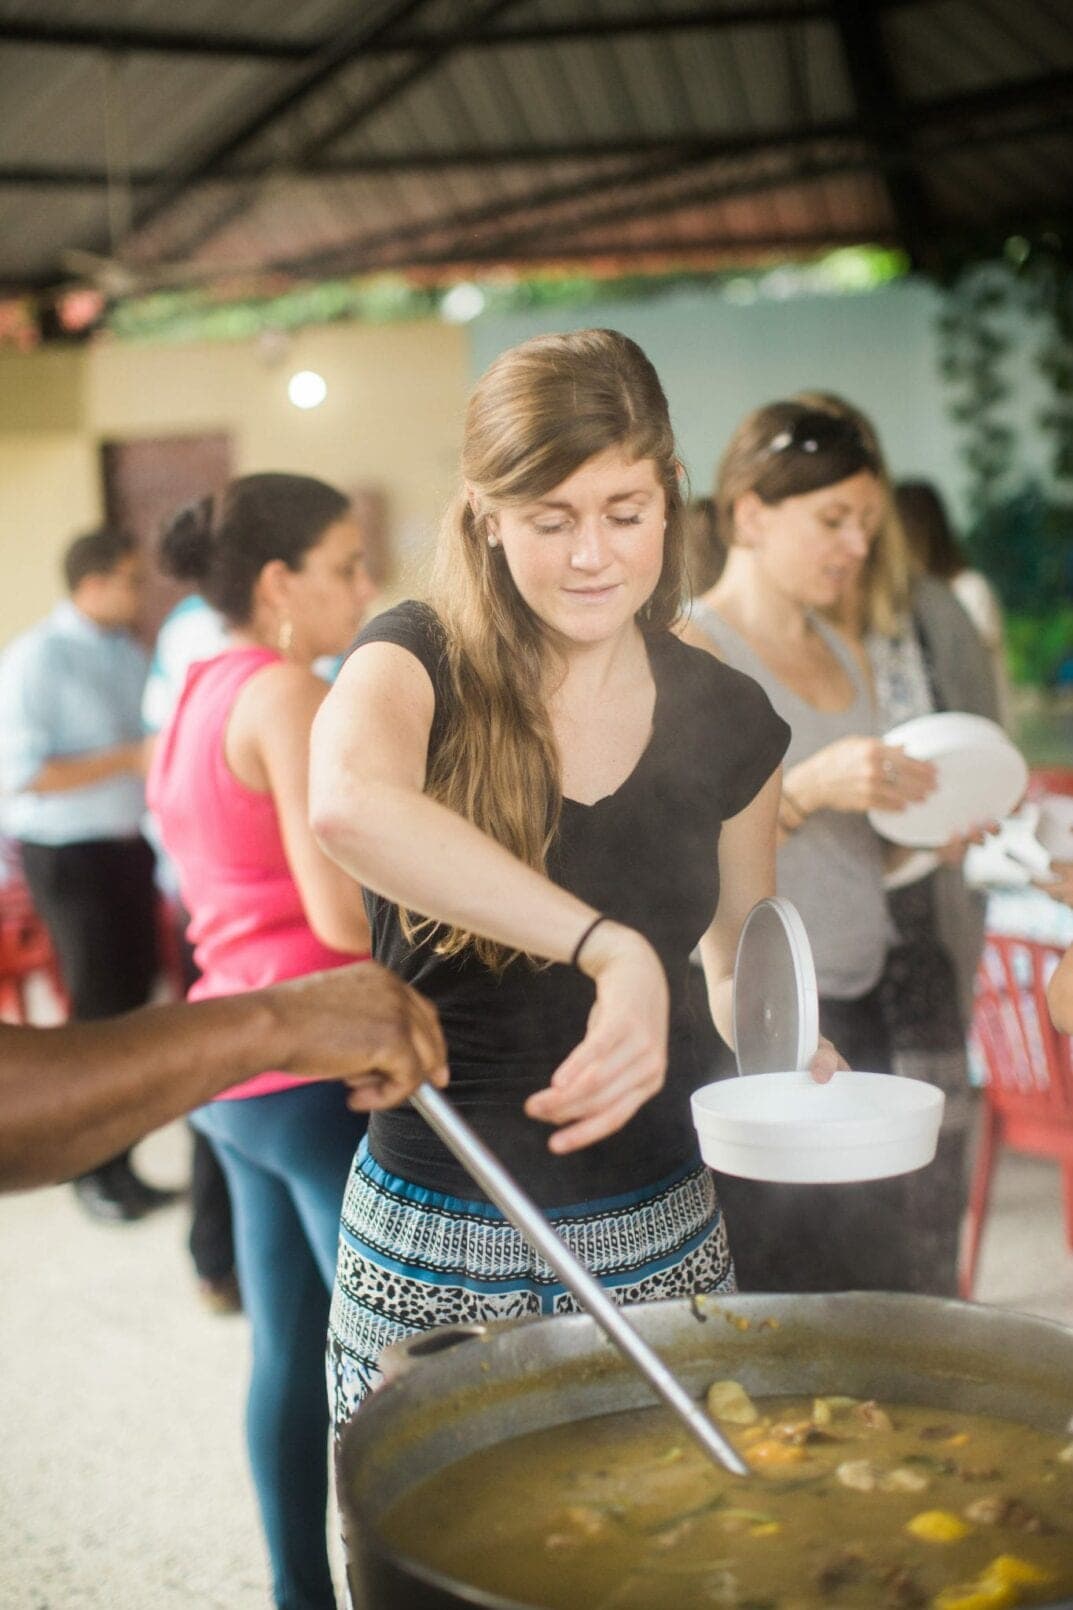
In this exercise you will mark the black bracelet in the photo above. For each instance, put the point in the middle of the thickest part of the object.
(579, 947)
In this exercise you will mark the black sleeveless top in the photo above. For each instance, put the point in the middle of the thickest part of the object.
(647, 856)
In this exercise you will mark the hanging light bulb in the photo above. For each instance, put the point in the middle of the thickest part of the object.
(307, 389)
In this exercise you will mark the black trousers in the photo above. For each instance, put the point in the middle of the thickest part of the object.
(211, 1240)
(97, 899)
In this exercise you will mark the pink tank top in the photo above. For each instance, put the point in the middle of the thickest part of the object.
(247, 923)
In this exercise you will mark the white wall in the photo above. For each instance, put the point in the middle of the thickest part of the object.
(392, 419)
(717, 360)
(48, 492)
(397, 394)
(391, 416)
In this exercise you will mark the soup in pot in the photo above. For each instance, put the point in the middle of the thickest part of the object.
(858, 1504)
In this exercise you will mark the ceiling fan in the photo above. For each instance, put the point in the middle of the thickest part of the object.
(113, 274)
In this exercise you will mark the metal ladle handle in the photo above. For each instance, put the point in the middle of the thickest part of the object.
(527, 1218)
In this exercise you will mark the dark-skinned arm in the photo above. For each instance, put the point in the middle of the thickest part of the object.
(74, 1095)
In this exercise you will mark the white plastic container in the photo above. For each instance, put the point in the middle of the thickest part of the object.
(780, 1125)
(784, 1126)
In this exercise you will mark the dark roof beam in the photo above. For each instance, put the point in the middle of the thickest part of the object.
(704, 193)
(884, 122)
(1034, 96)
(704, 19)
(351, 41)
(154, 41)
(433, 52)
(474, 218)
(197, 42)
(410, 246)
(345, 122)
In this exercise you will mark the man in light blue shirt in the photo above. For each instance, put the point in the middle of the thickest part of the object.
(72, 767)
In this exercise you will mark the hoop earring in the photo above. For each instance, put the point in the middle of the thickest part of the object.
(285, 637)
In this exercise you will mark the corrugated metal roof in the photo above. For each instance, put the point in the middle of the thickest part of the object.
(323, 136)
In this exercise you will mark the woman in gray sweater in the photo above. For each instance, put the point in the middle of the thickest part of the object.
(802, 496)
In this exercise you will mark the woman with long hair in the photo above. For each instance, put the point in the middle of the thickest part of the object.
(552, 800)
(936, 552)
(801, 496)
(924, 656)
(281, 557)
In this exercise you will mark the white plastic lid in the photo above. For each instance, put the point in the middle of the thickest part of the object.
(776, 1005)
(779, 1124)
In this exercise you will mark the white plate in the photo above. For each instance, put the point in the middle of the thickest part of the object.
(981, 777)
(785, 1127)
(915, 866)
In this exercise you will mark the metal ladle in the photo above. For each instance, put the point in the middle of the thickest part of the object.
(523, 1213)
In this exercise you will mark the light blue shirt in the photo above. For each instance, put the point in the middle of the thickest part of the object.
(68, 687)
(192, 631)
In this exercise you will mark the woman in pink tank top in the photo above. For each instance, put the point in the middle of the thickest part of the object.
(281, 557)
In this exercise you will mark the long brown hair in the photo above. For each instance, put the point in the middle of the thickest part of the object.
(886, 583)
(753, 462)
(222, 544)
(536, 416)
(928, 530)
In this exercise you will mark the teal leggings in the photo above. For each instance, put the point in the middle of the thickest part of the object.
(286, 1157)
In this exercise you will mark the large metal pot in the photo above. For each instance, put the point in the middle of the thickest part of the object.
(451, 1392)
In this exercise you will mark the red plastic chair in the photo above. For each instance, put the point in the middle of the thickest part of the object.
(1028, 1097)
(25, 949)
(1049, 780)
(170, 926)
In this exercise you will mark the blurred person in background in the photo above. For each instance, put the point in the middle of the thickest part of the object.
(705, 551)
(802, 495)
(191, 631)
(72, 760)
(925, 656)
(280, 556)
(937, 552)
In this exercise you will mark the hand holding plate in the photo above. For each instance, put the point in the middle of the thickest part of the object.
(861, 774)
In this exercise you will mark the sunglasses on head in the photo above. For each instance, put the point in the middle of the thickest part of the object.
(818, 432)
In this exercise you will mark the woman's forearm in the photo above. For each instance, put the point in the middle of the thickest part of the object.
(63, 773)
(429, 860)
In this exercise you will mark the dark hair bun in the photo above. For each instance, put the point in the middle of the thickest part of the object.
(185, 547)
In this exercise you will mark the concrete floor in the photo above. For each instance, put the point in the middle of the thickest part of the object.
(123, 1483)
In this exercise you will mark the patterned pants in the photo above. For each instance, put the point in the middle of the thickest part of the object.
(412, 1259)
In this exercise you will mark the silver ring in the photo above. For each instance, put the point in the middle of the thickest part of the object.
(890, 771)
